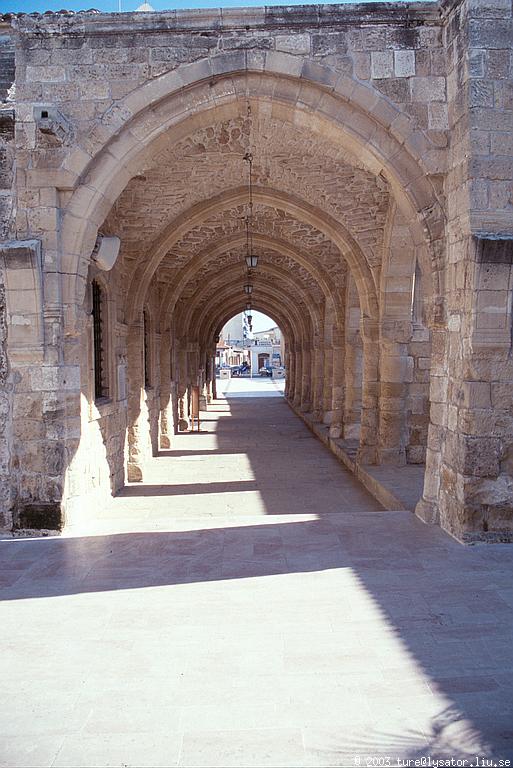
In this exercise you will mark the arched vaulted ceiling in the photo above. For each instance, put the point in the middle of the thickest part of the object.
(295, 256)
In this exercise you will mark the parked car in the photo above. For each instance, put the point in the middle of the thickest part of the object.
(239, 370)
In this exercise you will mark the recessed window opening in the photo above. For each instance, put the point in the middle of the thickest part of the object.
(101, 389)
(417, 303)
(146, 351)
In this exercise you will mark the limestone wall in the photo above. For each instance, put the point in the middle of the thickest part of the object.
(382, 143)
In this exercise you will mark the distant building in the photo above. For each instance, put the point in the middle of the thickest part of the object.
(272, 334)
(235, 330)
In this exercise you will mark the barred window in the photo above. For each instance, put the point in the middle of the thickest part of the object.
(146, 351)
(417, 298)
(101, 388)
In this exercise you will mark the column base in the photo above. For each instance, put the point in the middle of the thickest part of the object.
(134, 473)
(427, 511)
(327, 417)
(367, 455)
(392, 457)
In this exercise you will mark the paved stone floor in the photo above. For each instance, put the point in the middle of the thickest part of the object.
(249, 605)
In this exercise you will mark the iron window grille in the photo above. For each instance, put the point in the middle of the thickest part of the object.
(100, 384)
(146, 351)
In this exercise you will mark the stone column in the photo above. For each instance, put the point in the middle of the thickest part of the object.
(367, 452)
(469, 474)
(353, 362)
(182, 392)
(338, 385)
(327, 373)
(166, 426)
(40, 391)
(468, 486)
(298, 375)
(327, 383)
(306, 378)
(139, 439)
(317, 378)
(290, 368)
(214, 379)
(210, 373)
(395, 372)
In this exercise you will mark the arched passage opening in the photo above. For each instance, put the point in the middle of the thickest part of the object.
(168, 180)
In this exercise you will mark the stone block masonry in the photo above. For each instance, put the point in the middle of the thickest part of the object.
(382, 219)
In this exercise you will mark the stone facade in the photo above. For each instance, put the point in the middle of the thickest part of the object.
(382, 143)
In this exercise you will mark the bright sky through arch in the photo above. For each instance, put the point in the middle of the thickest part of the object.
(262, 322)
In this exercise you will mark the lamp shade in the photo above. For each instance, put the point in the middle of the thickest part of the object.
(251, 261)
(248, 288)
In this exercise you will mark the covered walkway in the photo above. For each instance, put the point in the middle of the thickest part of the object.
(250, 605)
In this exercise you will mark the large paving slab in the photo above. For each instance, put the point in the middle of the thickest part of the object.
(251, 605)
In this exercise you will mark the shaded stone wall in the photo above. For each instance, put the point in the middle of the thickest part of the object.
(7, 202)
(469, 481)
(5, 415)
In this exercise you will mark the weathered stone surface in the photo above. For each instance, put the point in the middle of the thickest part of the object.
(382, 218)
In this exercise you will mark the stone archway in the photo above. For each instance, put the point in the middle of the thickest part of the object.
(358, 195)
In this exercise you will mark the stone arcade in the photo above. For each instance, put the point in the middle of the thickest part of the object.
(382, 138)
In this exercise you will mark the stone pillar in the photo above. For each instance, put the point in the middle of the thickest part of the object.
(306, 378)
(468, 486)
(317, 375)
(182, 392)
(290, 372)
(40, 391)
(214, 379)
(166, 426)
(138, 428)
(367, 452)
(427, 508)
(338, 385)
(418, 395)
(327, 373)
(395, 372)
(327, 383)
(353, 362)
(298, 375)
(469, 474)
(210, 374)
